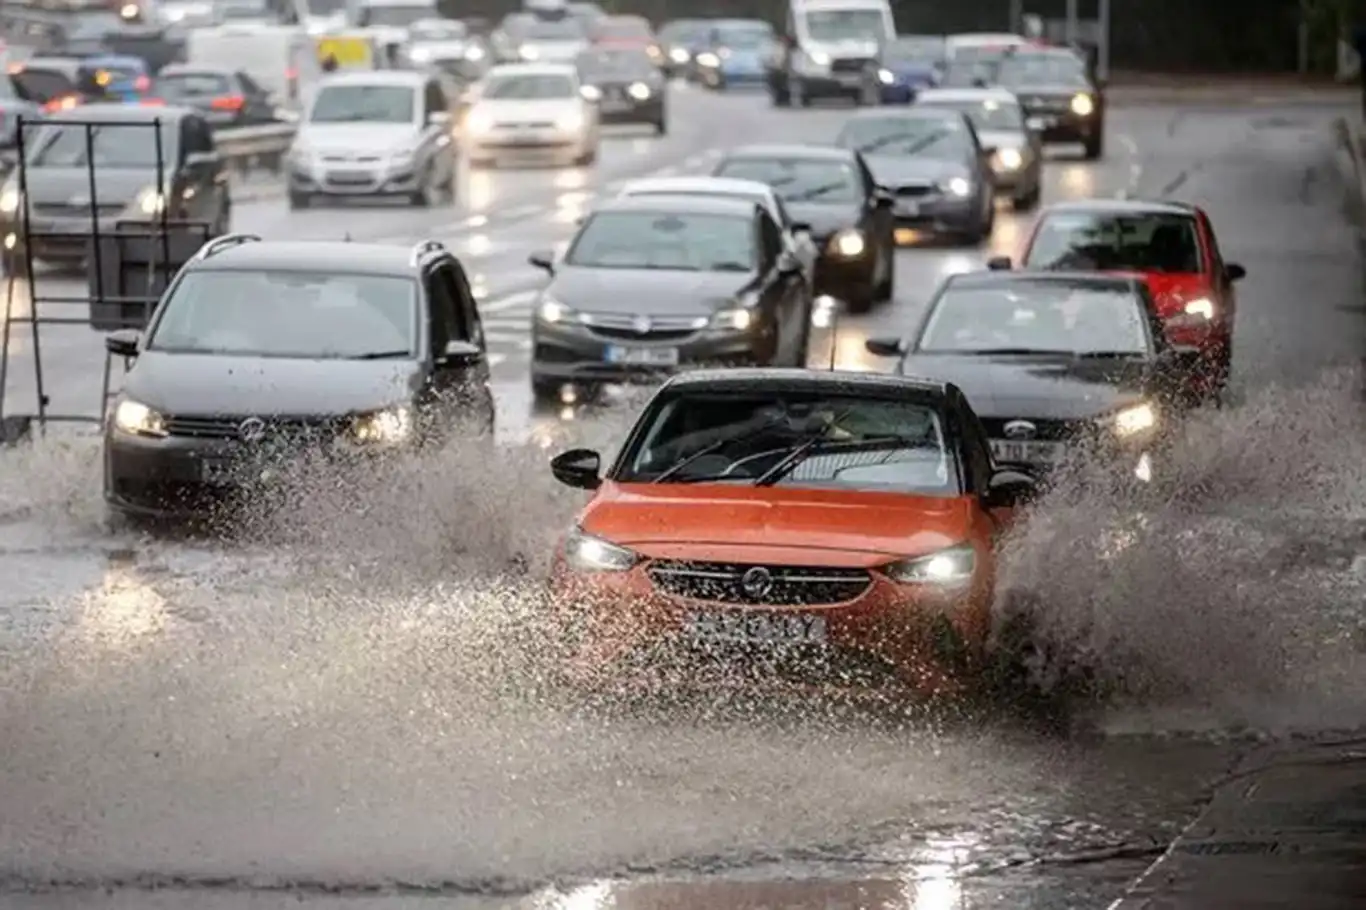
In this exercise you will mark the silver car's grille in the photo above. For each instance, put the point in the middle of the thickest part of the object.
(850, 64)
(786, 586)
(352, 159)
(914, 189)
(642, 328)
(224, 427)
(1041, 104)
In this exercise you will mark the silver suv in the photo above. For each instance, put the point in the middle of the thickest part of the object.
(375, 133)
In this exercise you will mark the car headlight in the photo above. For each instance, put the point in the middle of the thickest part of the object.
(420, 55)
(587, 553)
(478, 122)
(848, 243)
(639, 91)
(9, 201)
(386, 427)
(819, 58)
(474, 53)
(951, 566)
(1137, 419)
(958, 186)
(136, 419)
(570, 121)
(401, 157)
(708, 59)
(527, 52)
(886, 77)
(1203, 308)
(1082, 105)
(679, 55)
(554, 312)
(1009, 159)
(736, 319)
(654, 52)
(150, 202)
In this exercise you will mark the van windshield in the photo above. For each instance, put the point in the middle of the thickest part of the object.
(834, 25)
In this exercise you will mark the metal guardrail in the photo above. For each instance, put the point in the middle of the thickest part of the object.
(249, 148)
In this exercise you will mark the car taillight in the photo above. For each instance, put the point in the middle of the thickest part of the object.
(229, 103)
(142, 84)
(62, 103)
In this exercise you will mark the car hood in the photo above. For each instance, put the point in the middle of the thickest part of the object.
(744, 523)
(824, 218)
(210, 384)
(1002, 139)
(900, 170)
(646, 292)
(358, 138)
(555, 50)
(1049, 388)
(71, 186)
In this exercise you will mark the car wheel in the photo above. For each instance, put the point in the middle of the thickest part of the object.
(298, 201)
(422, 196)
(886, 288)
(870, 96)
(1094, 147)
(1028, 201)
(782, 96)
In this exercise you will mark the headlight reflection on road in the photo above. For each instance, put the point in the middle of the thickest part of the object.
(933, 882)
(478, 244)
(480, 191)
(589, 897)
(124, 609)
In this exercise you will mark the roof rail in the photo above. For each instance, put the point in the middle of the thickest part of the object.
(424, 248)
(219, 244)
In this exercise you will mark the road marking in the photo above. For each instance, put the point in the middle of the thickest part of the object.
(1135, 168)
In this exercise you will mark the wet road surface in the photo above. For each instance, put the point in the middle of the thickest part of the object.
(341, 706)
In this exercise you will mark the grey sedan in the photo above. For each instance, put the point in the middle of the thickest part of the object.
(1016, 152)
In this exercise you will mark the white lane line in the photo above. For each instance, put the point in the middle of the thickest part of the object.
(1135, 168)
(504, 339)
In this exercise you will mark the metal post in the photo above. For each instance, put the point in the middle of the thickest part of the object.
(1103, 39)
(1017, 16)
(1070, 28)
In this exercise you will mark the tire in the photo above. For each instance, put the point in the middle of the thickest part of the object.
(1028, 202)
(1094, 147)
(886, 288)
(545, 392)
(661, 128)
(422, 196)
(299, 201)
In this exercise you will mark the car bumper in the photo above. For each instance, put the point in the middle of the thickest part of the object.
(937, 213)
(627, 625)
(844, 278)
(62, 239)
(733, 76)
(574, 354)
(354, 182)
(831, 85)
(549, 147)
(1056, 127)
(629, 110)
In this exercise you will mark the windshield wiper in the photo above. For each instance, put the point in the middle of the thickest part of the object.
(911, 149)
(380, 355)
(799, 454)
(710, 448)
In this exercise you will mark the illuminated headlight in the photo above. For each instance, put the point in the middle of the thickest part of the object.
(590, 92)
(420, 54)
(1009, 159)
(1202, 308)
(951, 566)
(958, 186)
(552, 311)
(527, 52)
(573, 120)
(129, 11)
(474, 53)
(150, 202)
(848, 243)
(1137, 419)
(136, 419)
(639, 91)
(478, 122)
(708, 59)
(819, 58)
(679, 55)
(9, 201)
(386, 427)
(654, 52)
(886, 77)
(587, 553)
(1082, 105)
(734, 320)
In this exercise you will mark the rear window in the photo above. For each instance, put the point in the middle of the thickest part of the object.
(1098, 241)
(623, 27)
(192, 85)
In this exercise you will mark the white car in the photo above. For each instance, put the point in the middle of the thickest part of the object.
(531, 113)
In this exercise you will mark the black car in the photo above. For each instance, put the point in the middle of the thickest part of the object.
(833, 196)
(903, 67)
(653, 283)
(192, 184)
(630, 87)
(679, 40)
(263, 350)
(225, 98)
(931, 160)
(1061, 98)
(1053, 362)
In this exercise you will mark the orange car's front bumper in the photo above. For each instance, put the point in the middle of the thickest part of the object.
(623, 625)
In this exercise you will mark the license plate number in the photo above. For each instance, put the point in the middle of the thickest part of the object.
(349, 177)
(1042, 123)
(1027, 452)
(755, 627)
(216, 471)
(656, 357)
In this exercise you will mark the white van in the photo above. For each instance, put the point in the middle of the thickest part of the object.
(280, 58)
(827, 47)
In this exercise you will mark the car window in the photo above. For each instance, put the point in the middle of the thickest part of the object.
(987, 114)
(1088, 241)
(1055, 316)
(799, 179)
(914, 50)
(1042, 70)
(622, 27)
(863, 444)
(526, 87)
(542, 30)
(131, 146)
(289, 314)
(827, 26)
(934, 136)
(677, 242)
(364, 104)
(44, 85)
(198, 136)
(743, 36)
(187, 86)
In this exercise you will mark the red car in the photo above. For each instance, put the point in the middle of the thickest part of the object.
(631, 32)
(1171, 244)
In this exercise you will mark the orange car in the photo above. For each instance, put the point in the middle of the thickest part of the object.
(812, 527)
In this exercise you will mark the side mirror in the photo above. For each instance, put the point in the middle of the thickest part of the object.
(123, 343)
(543, 259)
(1234, 272)
(989, 150)
(883, 198)
(801, 227)
(461, 354)
(999, 264)
(1009, 488)
(578, 468)
(202, 159)
(885, 347)
(591, 93)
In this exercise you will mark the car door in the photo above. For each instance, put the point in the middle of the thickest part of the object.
(456, 387)
(1224, 290)
(979, 163)
(257, 108)
(799, 242)
(782, 287)
(978, 464)
(877, 220)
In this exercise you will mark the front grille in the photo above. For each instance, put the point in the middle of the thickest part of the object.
(1046, 430)
(293, 429)
(850, 64)
(637, 328)
(352, 159)
(915, 190)
(351, 178)
(48, 210)
(791, 585)
(617, 334)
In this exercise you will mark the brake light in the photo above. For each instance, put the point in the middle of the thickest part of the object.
(63, 103)
(292, 73)
(230, 103)
(142, 84)
(153, 102)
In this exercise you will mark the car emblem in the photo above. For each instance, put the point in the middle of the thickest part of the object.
(756, 582)
(1021, 429)
(252, 429)
(642, 325)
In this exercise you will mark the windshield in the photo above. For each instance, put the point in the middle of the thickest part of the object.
(682, 31)
(397, 16)
(1105, 242)
(563, 30)
(180, 86)
(799, 180)
(1042, 316)
(103, 76)
(745, 36)
(127, 146)
(289, 314)
(1043, 69)
(653, 240)
(927, 136)
(364, 104)
(980, 53)
(830, 26)
(628, 64)
(539, 87)
(987, 115)
(914, 50)
(848, 443)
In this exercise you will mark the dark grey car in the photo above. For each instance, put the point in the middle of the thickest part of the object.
(932, 162)
(630, 87)
(654, 283)
(1061, 97)
(262, 351)
(225, 98)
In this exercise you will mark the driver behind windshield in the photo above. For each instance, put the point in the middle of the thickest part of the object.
(1047, 318)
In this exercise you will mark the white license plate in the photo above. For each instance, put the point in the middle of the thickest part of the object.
(757, 627)
(1027, 452)
(1042, 123)
(654, 357)
(216, 471)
